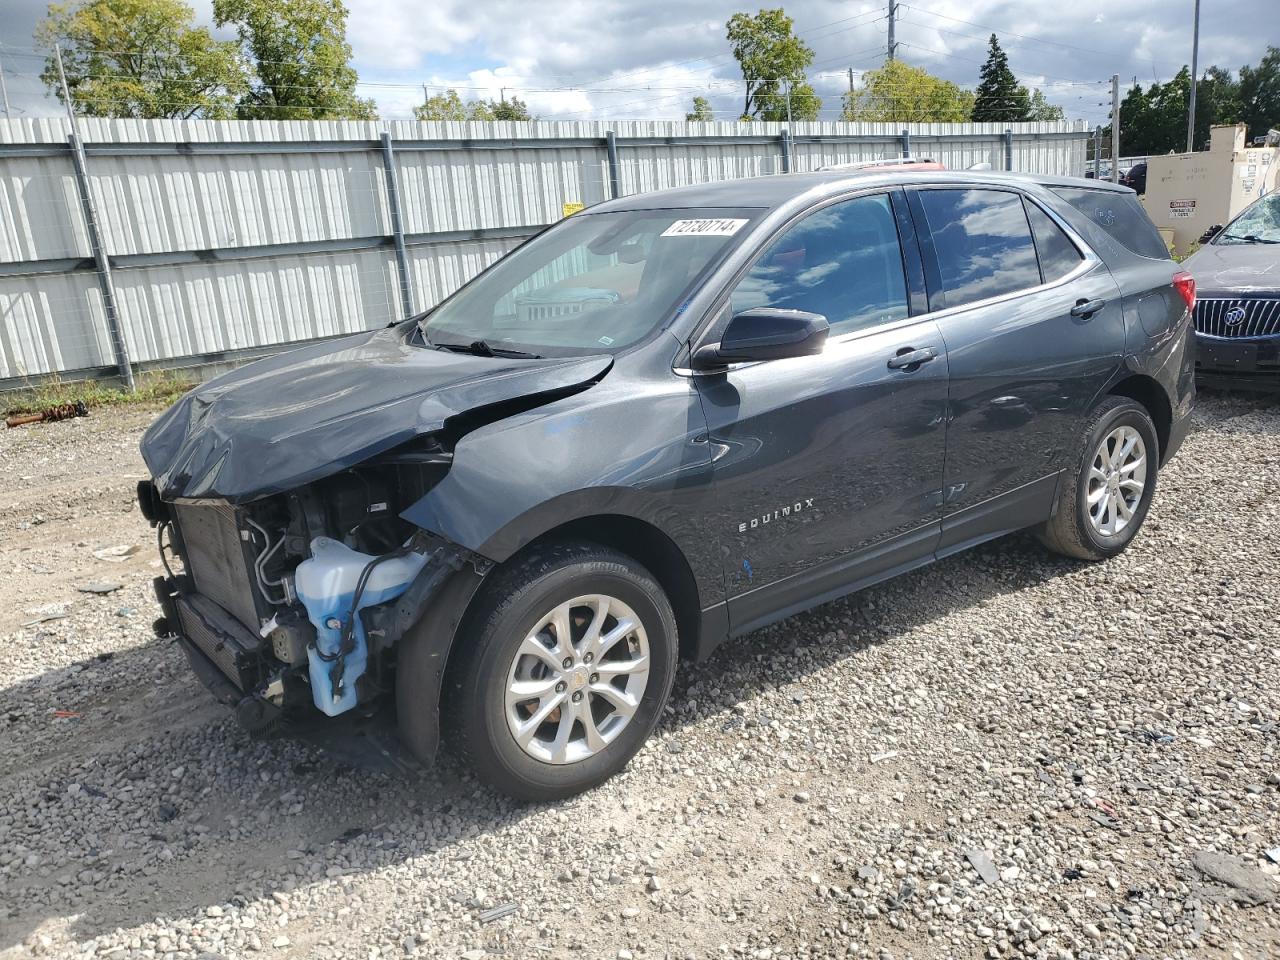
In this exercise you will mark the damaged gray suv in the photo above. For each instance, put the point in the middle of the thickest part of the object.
(663, 422)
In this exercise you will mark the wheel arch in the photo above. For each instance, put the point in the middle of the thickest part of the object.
(426, 659)
(1148, 392)
(649, 546)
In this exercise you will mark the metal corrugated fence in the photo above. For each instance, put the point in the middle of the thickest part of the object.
(226, 237)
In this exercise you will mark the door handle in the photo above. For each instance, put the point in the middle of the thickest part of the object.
(1087, 308)
(909, 358)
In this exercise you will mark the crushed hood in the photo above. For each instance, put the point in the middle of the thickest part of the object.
(1227, 268)
(300, 416)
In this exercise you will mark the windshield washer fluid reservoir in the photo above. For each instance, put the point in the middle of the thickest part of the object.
(326, 585)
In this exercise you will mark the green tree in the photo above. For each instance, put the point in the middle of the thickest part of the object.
(442, 106)
(773, 62)
(1041, 109)
(140, 58)
(1217, 102)
(999, 99)
(300, 57)
(701, 110)
(1260, 93)
(513, 109)
(1155, 120)
(902, 93)
(449, 106)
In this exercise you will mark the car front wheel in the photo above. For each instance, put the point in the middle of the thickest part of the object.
(567, 663)
(1104, 496)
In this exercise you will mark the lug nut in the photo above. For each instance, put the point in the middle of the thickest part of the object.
(568, 663)
(561, 687)
(595, 678)
(577, 697)
(588, 657)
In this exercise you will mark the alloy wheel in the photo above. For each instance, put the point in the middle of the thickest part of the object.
(577, 679)
(1117, 478)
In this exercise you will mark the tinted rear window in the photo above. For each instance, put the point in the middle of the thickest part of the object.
(1058, 255)
(982, 241)
(1121, 216)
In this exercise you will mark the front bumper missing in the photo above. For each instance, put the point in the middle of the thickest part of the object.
(236, 667)
(224, 655)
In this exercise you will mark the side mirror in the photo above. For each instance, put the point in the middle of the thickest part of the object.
(765, 333)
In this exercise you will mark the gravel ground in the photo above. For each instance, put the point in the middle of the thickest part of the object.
(1003, 754)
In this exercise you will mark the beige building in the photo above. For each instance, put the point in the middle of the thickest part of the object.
(1189, 192)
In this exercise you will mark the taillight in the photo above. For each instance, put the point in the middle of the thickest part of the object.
(1185, 284)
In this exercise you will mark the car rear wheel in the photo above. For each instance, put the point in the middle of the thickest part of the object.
(568, 660)
(1104, 497)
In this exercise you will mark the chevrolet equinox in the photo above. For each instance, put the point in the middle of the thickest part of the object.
(663, 422)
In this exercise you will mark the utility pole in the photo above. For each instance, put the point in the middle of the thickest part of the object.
(103, 262)
(788, 103)
(893, 16)
(851, 79)
(66, 93)
(1115, 128)
(1195, 79)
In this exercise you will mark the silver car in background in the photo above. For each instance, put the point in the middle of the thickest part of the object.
(1237, 311)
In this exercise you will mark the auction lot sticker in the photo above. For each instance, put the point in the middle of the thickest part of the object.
(1182, 209)
(716, 227)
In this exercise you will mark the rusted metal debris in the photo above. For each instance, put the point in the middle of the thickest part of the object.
(61, 411)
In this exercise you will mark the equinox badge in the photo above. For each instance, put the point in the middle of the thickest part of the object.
(787, 511)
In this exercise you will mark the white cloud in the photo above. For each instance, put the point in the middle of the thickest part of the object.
(629, 59)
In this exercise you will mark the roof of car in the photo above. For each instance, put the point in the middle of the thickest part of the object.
(778, 189)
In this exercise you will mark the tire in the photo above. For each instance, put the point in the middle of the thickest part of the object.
(1073, 530)
(517, 608)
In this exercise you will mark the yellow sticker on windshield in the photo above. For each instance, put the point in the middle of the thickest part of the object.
(570, 209)
(717, 227)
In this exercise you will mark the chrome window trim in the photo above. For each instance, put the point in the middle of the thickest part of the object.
(1088, 262)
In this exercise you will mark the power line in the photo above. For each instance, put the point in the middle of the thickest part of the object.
(1001, 31)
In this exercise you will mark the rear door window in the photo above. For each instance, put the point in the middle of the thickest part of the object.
(982, 243)
(1121, 215)
(1058, 255)
(843, 261)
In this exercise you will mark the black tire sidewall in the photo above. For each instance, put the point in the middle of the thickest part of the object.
(497, 757)
(1127, 414)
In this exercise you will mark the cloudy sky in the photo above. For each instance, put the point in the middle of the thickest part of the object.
(624, 59)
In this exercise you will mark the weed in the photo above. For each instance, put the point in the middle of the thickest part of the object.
(161, 386)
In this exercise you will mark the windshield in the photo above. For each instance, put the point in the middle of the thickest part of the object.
(596, 282)
(1259, 223)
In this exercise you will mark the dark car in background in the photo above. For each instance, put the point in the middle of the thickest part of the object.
(1238, 308)
(666, 421)
(1135, 178)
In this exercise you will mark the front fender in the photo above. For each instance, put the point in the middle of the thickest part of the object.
(637, 451)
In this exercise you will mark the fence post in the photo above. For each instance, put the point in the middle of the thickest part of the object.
(906, 143)
(1008, 149)
(611, 148)
(784, 139)
(118, 345)
(397, 229)
(1097, 152)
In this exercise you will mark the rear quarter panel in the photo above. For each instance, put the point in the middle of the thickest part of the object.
(1159, 330)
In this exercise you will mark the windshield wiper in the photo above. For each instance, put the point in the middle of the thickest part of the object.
(482, 348)
(1250, 238)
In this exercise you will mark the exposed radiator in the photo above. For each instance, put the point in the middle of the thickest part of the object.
(218, 559)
